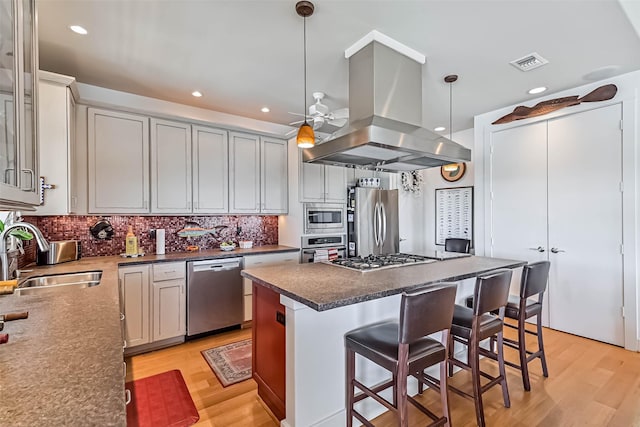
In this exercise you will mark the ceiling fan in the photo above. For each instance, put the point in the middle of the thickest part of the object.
(319, 114)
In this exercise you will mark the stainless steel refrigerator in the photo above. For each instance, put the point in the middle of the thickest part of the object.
(372, 222)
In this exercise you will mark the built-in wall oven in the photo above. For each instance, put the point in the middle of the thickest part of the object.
(324, 218)
(312, 246)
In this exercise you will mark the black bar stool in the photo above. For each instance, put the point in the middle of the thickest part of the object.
(472, 325)
(533, 283)
(404, 349)
(457, 245)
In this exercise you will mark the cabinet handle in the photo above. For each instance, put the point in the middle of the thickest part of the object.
(124, 344)
(556, 250)
(31, 182)
(539, 249)
(127, 396)
(121, 317)
(124, 369)
(280, 318)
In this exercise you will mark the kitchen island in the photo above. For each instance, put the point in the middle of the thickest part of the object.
(322, 302)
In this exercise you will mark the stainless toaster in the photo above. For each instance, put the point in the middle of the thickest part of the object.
(60, 251)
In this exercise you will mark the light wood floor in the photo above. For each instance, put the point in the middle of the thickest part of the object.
(589, 384)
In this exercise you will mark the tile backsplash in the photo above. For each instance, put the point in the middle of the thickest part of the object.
(262, 230)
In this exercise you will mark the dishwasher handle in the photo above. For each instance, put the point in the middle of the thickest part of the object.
(216, 265)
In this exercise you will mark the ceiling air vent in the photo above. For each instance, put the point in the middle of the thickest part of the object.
(529, 62)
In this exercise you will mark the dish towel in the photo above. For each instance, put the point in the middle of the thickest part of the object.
(321, 255)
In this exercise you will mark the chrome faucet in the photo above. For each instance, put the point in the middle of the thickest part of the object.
(4, 257)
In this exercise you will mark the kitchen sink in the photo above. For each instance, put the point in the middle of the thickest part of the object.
(57, 281)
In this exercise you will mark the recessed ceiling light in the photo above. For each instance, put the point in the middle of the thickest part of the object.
(439, 128)
(78, 29)
(536, 90)
(265, 109)
(196, 94)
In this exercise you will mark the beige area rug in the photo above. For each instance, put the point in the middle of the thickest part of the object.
(231, 363)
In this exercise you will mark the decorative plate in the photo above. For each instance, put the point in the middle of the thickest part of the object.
(452, 174)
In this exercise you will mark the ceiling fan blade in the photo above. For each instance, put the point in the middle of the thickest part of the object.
(342, 113)
(297, 122)
(302, 115)
(337, 122)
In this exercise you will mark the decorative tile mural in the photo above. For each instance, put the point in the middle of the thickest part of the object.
(262, 230)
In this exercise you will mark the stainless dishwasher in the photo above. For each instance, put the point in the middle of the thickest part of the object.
(214, 295)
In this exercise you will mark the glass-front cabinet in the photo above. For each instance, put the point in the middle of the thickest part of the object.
(18, 101)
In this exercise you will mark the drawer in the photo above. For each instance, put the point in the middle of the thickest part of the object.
(265, 260)
(168, 271)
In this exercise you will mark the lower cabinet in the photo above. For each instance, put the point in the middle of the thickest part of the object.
(154, 301)
(263, 260)
(268, 339)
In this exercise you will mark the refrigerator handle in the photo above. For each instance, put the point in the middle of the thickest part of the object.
(383, 213)
(376, 234)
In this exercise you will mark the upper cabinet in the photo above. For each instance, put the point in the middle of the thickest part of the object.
(322, 183)
(188, 168)
(258, 174)
(18, 104)
(170, 167)
(56, 127)
(118, 160)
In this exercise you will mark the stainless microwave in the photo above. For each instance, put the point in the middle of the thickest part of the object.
(324, 218)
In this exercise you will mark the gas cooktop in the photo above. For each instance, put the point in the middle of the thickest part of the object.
(377, 262)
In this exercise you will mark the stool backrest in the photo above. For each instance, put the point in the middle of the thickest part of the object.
(491, 291)
(534, 278)
(457, 245)
(425, 311)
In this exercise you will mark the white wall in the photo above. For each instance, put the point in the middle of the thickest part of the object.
(628, 94)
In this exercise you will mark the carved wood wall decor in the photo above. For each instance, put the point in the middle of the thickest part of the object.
(602, 93)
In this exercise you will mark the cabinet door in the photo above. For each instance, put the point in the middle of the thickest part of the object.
(169, 305)
(268, 335)
(170, 167)
(335, 184)
(244, 171)
(585, 224)
(134, 298)
(312, 182)
(56, 111)
(118, 152)
(210, 170)
(274, 182)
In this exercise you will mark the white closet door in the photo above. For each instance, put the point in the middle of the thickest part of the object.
(585, 224)
(519, 193)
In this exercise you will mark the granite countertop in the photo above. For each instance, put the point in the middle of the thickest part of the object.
(323, 286)
(64, 364)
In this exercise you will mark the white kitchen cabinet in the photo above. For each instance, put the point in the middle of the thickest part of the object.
(56, 129)
(153, 298)
(263, 260)
(555, 194)
(244, 171)
(135, 300)
(170, 167)
(273, 177)
(210, 167)
(258, 174)
(18, 117)
(322, 183)
(118, 162)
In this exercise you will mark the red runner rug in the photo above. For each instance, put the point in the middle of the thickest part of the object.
(161, 400)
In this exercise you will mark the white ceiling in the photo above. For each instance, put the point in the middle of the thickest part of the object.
(243, 55)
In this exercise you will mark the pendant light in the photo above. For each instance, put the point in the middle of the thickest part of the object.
(451, 78)
(306, 137)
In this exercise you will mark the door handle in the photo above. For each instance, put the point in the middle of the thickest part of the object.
(384, 224)
(556, 250)
(539, 249)
(375, 225)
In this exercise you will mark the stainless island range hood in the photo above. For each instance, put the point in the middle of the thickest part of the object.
(385, 115)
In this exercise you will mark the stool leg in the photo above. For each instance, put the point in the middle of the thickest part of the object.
(444, 387)
(401, 385)
(543, 358)
(450, 353)
(350, 374)
(474, 362)
(395, 390)
(505, 390)
(522, 351)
